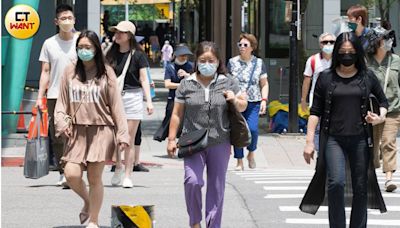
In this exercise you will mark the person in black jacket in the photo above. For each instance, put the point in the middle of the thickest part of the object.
(341, 101)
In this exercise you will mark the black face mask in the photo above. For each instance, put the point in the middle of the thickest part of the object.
(347, 59)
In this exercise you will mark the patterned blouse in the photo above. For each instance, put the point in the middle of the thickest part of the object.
(241, 72)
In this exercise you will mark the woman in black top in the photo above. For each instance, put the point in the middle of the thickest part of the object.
(341, 101)
(135, 86)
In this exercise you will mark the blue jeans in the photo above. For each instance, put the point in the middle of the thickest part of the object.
(251, 115)
(355, 149)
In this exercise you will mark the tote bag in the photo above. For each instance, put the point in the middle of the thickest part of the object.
(36, 163)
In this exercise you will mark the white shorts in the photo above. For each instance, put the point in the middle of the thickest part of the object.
(133, 104)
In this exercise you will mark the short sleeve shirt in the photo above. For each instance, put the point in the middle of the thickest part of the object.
(138, 61)
(59, 54)
(241, 71)
(393, 83)
(364, 38)
(321, 64)
(206, 106)
(171, 74)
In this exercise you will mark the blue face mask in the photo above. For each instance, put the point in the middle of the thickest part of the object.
(85, 54)
(328, 49)
(207, 69)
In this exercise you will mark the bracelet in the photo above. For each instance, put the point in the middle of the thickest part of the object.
(264, 99)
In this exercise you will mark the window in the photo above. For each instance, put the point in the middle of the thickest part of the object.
(277, 30)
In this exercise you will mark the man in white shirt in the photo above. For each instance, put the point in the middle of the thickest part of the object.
(315, 65)
(57, 53)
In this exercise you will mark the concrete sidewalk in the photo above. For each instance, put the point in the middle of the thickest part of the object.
(274, 150)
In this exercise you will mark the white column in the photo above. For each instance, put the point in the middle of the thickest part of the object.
(126, 10)
(93, 17)
(331, 11)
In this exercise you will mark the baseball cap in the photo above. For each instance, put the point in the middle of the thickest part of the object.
(124, 26)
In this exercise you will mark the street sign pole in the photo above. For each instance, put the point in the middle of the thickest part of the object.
(126, 10)
(293, 77)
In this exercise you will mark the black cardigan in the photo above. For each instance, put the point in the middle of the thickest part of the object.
(315, 194)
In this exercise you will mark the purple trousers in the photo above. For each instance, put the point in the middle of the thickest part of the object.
(216, 158)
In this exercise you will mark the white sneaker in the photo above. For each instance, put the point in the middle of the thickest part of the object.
(116, 178)
(62, 181)
(127, 183)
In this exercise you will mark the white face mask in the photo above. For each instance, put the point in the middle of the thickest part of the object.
(180, 63)
(66, 26)
(328, 49)
(387, 44)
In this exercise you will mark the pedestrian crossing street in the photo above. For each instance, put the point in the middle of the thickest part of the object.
(286, 189)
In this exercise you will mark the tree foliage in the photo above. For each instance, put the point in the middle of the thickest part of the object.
(383, 7)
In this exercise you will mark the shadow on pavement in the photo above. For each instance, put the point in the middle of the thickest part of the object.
(134, 186)
(43, 185)
(78, 226)
(164, 156)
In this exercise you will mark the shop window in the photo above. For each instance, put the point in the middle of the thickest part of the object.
(277, 30)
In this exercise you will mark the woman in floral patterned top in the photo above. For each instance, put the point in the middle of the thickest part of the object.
(251, 74)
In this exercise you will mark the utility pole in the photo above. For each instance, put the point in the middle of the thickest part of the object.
(293, 76)
(126, 10)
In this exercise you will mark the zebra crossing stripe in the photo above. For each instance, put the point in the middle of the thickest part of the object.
(376, 222)
(299, 196)
(348, 209)
(289, 184)
(283, 182)
(283, 196)
(284, 188)
(292, 182)
(280, 170)
(277, 178)
(258, 178)
(268, 175)
(243, 173)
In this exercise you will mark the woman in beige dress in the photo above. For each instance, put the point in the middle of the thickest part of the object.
(90, 115)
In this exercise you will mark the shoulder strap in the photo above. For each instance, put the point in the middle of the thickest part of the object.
(127, 63)
(313, 63)
(387, 74)
(252, 72)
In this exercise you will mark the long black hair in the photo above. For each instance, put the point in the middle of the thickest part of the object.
(355, 41)
(98, 56)
(206, 46)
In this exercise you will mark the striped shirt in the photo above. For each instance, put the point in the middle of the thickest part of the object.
(196, 98)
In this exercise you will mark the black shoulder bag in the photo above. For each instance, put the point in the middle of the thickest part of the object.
(195, 141)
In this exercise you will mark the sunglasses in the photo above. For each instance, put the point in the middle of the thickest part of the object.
(243, 45)
(324, 42)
